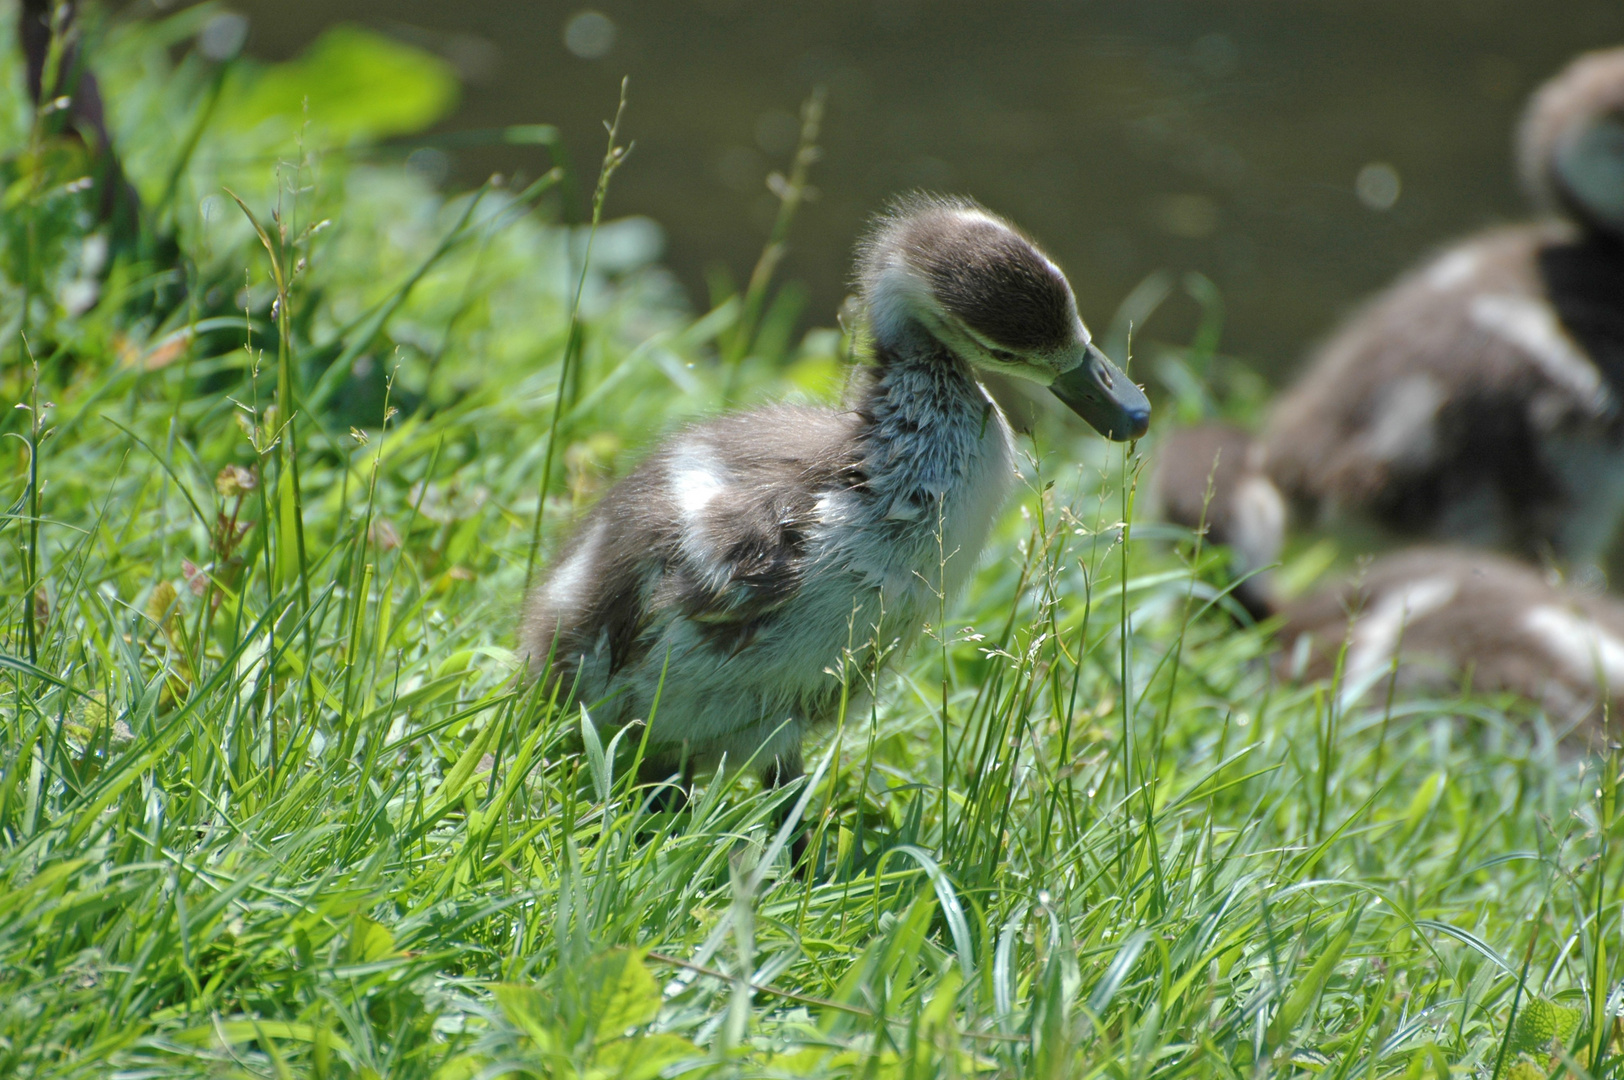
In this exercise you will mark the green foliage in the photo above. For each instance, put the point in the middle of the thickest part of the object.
(276, 800)
(1541, 1022)
(351, 84)
(589, 1024)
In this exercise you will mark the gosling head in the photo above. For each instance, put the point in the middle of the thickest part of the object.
(949, 270)
(1571, 144)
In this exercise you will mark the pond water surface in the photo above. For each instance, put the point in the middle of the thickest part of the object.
(1297, 153)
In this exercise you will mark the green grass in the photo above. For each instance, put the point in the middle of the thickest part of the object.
(275, 801)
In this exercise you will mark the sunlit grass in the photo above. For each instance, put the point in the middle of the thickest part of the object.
(275, 804)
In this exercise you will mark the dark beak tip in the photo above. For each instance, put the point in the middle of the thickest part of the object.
(1138, 422)
(1132, 428)
(1130, 422)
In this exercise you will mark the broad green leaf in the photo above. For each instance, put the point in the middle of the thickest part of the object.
(902, 955)
(236, 1032)
(370, 941)
(13, 898)
(1539, 1022)
(939, 1010)
(952, 910)
(462, 773)
(357, 85)
(527, 1009)
(1422, 802)
(287, 555)
(623, 994)
(596, 762)
(1307, 991)
(643, 1057)
(1121, 966)
(463, 1067)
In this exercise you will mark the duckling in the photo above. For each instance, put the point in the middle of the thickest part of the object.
(1458, 616)
(1211, 478)
(1477, 399)
(752, 559)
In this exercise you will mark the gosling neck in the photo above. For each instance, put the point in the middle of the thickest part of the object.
(924, 416)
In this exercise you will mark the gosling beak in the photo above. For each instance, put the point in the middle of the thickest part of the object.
(1099, 392)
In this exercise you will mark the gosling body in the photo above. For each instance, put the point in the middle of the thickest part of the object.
(1421, 619)
(759, 568)
(742, 561)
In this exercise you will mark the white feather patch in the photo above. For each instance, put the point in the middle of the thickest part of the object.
(1378, 634)
(1584, 650)
(1404, 428)
(566, 585)
(696, 479)
(1452, 269)
(1532, 326)
(832, 508)
(1259, 527)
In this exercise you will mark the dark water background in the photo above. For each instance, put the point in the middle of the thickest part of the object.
(1222, 136)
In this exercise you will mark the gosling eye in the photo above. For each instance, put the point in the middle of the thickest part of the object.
(1004, 356)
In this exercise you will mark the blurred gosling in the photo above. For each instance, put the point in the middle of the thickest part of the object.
(1434, 618)
(1458, 617)
(1477, 400)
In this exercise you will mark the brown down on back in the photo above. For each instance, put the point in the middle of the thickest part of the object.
(1460, 619)
(1478, 398)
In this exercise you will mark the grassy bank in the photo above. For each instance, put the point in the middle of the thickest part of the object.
(274, 800)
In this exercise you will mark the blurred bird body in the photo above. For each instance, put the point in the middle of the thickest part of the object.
(760, 567)
(1478, 398)
(1437, 619)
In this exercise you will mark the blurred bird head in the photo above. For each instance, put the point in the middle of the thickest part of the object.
(1571, 144)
